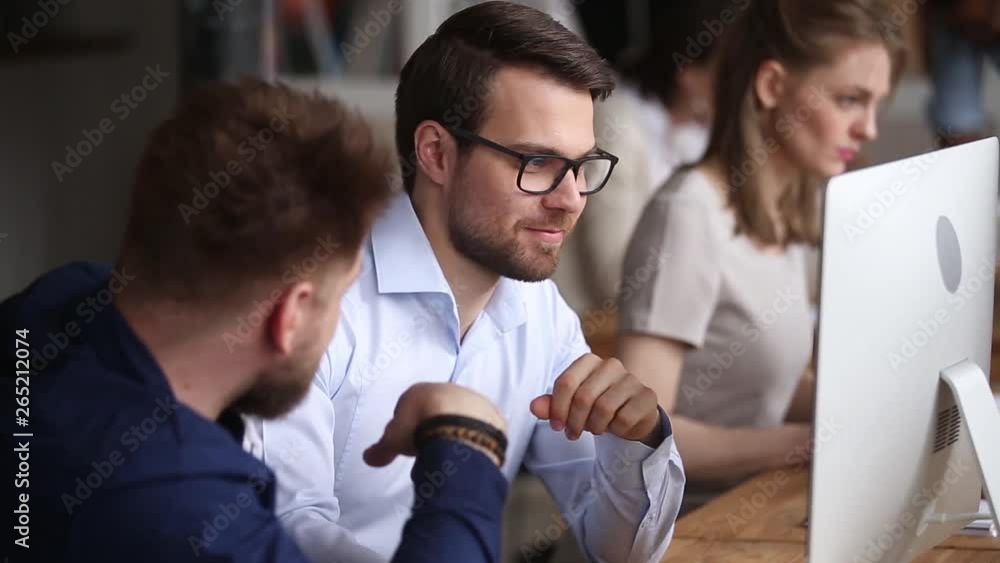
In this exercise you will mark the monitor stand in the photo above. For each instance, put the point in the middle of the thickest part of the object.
(972, 393)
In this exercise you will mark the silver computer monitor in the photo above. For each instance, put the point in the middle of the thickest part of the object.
(904, 417)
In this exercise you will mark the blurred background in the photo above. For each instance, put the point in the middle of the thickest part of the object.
(85, 81)
(66, 74)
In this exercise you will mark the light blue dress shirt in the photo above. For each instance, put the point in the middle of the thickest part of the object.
(400, 326)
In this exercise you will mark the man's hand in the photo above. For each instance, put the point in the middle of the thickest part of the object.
(601, 396)
(423, 401)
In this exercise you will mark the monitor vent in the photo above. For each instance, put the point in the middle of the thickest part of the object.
(949, 427)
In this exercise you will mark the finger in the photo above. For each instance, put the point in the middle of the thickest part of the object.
(392, 443)
(566, 385)
(378, 454)
(608, 404)
(541, 406)
(637, 417)
(605, 376)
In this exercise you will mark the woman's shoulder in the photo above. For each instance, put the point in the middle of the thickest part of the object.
(691, 187)
(686, 205)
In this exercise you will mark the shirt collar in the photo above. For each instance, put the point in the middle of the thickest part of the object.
(506, 307)
(403, 258)
(404, 262)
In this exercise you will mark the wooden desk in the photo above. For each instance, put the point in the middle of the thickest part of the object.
(708, 551)
(732, 529)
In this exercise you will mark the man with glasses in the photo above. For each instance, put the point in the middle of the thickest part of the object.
(541, 174)
(448, 294)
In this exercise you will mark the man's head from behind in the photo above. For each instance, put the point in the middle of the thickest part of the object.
(249, 209)
(506, 74)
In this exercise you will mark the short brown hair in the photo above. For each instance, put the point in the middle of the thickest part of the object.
(801, 35)
(245, 180)
(448, 77)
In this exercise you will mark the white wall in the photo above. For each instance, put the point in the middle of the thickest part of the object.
(46, 102)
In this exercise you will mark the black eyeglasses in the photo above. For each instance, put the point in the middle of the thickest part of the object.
(541, 173)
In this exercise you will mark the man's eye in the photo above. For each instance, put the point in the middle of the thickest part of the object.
(537, 164)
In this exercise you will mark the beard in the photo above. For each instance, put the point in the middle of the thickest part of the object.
(278, 390)
(482, 240)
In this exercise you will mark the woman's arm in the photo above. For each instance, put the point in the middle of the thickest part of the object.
(801, 408)
(709, 452)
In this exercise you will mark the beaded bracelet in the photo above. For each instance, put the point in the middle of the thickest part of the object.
(465, 429)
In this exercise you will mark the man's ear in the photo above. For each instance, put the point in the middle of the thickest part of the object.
(770, 83)
(435, 150)
(289, 316)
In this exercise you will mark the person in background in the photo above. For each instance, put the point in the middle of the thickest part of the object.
(961, 35)
(722, 329)
(135, 426)
(495, 133)
(657, 120)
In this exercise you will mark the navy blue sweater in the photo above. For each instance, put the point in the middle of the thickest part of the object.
(115, 469)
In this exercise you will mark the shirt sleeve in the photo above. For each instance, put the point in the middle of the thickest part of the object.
(190, 520)
(671, 277)
(299, 448)
(458, 507)
(620, 497)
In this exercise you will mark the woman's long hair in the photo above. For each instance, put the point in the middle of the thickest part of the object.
(800, 34)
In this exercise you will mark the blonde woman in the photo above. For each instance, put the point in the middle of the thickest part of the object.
(722, 330)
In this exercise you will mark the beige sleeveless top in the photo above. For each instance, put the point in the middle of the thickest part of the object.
(744, 311)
